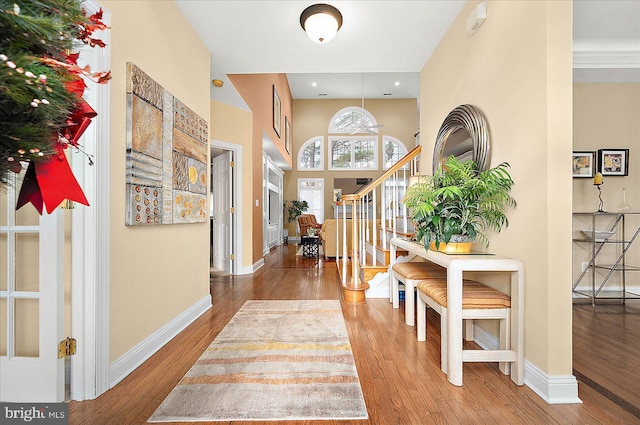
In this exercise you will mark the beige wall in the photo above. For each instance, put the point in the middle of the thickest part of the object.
(233, 125)
(257, 92)
(399, 117)
(606, 115)
(517, 70)
(157, 272)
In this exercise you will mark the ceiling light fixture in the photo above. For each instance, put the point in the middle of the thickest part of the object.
(321, 22)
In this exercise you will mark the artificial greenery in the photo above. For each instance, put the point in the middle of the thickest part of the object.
(460, 200)
(293, 209)
(36, 70)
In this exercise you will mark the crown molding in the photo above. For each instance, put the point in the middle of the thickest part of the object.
(606, 54)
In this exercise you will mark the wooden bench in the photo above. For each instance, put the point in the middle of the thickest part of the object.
(479, 301)
(409, 274)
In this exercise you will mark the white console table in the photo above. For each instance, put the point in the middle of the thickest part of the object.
(456, 265)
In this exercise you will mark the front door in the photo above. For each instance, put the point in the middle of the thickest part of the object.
(31, 301)
(221, 220)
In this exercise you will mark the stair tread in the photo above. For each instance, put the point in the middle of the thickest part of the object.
(399, 232)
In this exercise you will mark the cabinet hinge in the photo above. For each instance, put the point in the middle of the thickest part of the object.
(232, 257)
(232, 164)
(66, 348)
(232, 210)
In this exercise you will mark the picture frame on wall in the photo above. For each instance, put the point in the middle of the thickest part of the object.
(277, 111)
(613, 162)
(287, 135)
(583, 164)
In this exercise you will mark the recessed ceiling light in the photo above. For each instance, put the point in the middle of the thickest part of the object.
(314, 84)
(397, 83)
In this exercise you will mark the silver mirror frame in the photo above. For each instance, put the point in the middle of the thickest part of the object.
(471, 119)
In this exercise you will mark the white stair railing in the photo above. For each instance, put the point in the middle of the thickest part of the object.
(360, 214)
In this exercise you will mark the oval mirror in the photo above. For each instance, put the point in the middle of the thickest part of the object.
(464, 134)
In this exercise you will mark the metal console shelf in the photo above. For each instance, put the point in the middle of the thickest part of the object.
(619, 239)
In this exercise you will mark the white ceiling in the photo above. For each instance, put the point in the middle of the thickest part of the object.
(386, 41)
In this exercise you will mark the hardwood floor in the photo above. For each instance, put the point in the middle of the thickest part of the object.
(400, 377)
(606, 348)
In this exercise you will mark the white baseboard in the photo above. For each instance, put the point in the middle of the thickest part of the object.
(560, 389)
(133, 358)
(252, 268)
(258, 265)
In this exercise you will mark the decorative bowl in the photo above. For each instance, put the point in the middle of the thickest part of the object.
(597, 235)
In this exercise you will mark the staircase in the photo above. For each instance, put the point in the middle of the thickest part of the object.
(363, 269)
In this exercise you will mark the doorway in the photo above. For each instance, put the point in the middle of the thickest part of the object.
(223, 229)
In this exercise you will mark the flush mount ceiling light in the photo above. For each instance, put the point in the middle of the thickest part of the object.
(321, 22)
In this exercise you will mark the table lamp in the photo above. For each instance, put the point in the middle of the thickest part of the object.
(599, 181)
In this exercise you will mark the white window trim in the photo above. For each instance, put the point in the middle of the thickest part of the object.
(358, 109)
(353, 138)
(302, 149)
(391, 139)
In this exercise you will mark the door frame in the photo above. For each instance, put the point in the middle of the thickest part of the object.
(90, 244)
(236, 185)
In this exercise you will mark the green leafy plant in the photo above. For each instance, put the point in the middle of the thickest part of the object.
(458, 200)
(293, 209)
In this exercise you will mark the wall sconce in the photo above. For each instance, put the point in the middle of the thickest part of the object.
(599, 181)
(321, 22)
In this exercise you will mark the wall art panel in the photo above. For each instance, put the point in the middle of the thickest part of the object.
(166, 156)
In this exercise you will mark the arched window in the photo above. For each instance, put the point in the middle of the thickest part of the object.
(392, 150)
(352, 119)
(356, 148)
(311, 154)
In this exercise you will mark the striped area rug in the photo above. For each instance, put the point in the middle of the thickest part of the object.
(274, 360)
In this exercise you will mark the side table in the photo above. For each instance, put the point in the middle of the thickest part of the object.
(310, 245)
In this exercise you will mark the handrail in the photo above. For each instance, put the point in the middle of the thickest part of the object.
(364, 220)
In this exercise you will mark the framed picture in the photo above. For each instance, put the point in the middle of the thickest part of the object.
(287, 135)
(276, 111)
(613, 162)
(584, 164)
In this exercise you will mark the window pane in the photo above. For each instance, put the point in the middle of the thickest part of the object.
(393, 152)
(26, 262)
(341, 154)
(4, 221)
(3, 326)
(347, 122)
(27, 328)
(3, 262)
(364, 154)
(310, 157)
(351, 119)
(27, 216)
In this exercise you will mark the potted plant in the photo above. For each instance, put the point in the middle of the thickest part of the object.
(459, 203)
(293, 209)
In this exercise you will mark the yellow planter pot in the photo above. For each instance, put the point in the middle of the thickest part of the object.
(452, 247)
